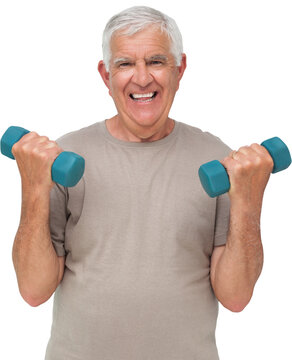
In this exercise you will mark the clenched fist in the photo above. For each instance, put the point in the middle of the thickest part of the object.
(35, 155)
(249, 170)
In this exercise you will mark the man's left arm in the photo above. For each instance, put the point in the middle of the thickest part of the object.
(236, 266)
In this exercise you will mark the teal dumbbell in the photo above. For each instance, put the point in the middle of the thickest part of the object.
(215, 180)
(67, 169)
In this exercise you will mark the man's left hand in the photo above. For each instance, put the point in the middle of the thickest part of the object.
(249, 170)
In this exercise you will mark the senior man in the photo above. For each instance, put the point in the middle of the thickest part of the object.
(137, 253)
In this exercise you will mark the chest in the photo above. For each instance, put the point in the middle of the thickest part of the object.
(141, 205)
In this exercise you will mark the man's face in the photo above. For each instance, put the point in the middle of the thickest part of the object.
(143, 79)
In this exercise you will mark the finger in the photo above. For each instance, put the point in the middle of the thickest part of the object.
(28, 137)
(43, 139)
(49, 148)
(251, 158)
(48, 144)
(248, 156)
(229, 162)
(233, 154)
(260, 150)
(237, 162)
(246, 150)
(29, 141)
(265, 155)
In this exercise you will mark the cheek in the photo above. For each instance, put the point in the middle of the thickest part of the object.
(167, 79)
(175, 84)
(118, 82)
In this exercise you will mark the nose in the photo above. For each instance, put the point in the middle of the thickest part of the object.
(142, 75)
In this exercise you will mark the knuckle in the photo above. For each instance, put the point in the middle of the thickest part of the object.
(50, 145)
(44, 138)
(32, 134)
(255, 146)
(257, 161)
(238, 168)
(53, 147)
(244, 167)
(43, 155)
(24, 147)
(270, 162)
(15, 147)
(248, 165)
(35, 150)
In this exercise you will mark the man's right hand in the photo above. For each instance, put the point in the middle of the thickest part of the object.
(37, 266)
(35, 155)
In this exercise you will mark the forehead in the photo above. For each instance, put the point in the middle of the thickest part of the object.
(150, 41)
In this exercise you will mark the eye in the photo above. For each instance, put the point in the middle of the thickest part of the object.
(156, 62)
(124, 64)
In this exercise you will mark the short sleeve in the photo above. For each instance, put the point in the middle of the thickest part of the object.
(58, 218)
(222, 220)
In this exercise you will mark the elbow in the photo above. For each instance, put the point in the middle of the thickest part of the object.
(33, 300)
(236, 305)
(34, 294)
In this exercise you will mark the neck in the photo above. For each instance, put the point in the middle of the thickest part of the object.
(119, 130)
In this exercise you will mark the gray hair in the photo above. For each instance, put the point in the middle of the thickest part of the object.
(135, 19)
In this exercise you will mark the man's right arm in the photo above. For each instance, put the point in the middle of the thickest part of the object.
(38, 268)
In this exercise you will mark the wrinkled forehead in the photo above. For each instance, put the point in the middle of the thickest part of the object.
(151, 36)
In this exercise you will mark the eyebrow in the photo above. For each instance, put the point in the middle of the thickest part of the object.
(120, 60)
(151, 58)
(157, 57)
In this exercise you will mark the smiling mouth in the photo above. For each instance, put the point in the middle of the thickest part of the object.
(143, 97)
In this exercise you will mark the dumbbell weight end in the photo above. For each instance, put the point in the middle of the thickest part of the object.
(279, 153)
(11, 136)
(214, 177)
(67, 169)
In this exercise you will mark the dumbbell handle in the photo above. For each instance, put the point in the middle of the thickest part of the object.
(67, 169)
(214, 177)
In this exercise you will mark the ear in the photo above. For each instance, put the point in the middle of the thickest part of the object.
(181, 68)
(104, 74)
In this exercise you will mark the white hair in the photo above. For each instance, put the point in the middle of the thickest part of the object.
(135, 19)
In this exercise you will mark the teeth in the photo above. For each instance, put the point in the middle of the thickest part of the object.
(138, 96)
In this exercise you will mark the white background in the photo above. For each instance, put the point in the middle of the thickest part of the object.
(237, 86)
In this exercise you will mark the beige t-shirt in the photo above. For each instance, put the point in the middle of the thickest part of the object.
(138, 232)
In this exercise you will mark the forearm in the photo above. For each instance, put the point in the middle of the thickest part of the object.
(35, 260)
(241, 263)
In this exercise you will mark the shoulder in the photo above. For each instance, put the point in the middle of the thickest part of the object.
(81, 140)
(204, 142)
